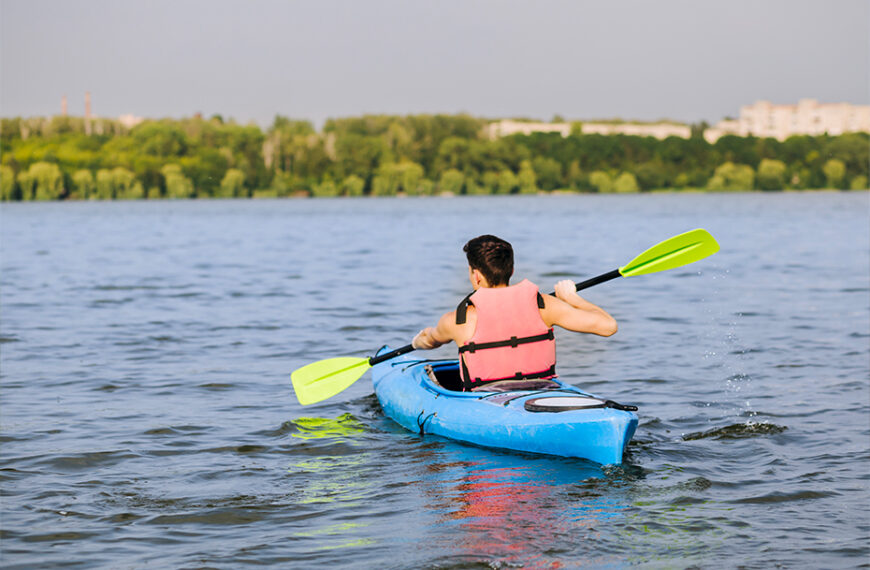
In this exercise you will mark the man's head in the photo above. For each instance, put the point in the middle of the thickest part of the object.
(493, 257)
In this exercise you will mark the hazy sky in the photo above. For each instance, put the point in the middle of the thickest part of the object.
(313, 59)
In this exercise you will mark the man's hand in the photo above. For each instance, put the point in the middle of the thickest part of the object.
(567, 291)
(424, 340)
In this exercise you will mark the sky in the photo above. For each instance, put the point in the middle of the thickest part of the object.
(250, 60)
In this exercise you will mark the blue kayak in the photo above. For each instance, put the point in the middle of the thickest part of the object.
(551, 417)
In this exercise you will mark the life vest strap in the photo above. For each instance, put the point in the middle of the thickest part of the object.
(513, 342)
(462, 309)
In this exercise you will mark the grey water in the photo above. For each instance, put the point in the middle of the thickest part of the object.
(147, 417)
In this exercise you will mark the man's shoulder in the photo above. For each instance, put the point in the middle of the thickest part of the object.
(448, 318)
(448, 322)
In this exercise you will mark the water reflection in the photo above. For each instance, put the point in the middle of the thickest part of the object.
(514, 509)
(319, 428)
(469, 504)
(331, 469)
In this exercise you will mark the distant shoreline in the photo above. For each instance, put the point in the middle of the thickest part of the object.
(658, 192)
(72, 158)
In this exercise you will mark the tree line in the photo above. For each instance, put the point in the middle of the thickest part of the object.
(57, 158)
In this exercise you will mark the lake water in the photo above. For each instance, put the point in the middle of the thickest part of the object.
(147, 417)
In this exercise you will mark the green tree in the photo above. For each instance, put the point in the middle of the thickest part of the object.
(852, 149)
(26, 184)
(795, 149)
(48, 181)
(359, 155)
(163, 139)
(472, 186)
(451, 181)
(8, 189)
(105, 185)
(125, 185)
(412, 176)
(427, 187)
(835, 172)
(601, 181)
(771, 174)
(282, 185)
(735, 149)
(205, 169)
(454, 153)
(508, 183)
(651, 174)
(137, 191)
(382, 185)
(730, 176)
(393, 178)
(353, 185)
(577, 180)
(233, 184)
(800, 177)
(83, 181)
(177, 184)
(625, 182)
(527, 178)
(490, 182)
(548, 171)
(858, 183)
(326, 188)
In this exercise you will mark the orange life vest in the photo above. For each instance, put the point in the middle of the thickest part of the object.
(510, 341)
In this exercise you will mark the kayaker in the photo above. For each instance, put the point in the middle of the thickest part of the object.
(504, 332)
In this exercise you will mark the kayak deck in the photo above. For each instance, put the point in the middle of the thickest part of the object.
(422, 396)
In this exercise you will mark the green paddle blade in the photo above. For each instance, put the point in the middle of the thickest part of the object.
(325, 378)
(677, 251)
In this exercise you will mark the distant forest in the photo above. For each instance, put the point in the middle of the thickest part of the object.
(71, 158)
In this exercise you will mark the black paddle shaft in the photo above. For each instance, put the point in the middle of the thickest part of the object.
(392, 354)
(596, 280)
(600, 279)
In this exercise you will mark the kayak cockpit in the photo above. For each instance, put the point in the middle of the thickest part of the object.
(445, 375)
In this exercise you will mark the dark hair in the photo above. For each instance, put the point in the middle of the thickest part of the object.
(492, 256)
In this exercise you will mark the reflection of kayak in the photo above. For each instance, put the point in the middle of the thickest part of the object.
(558, 419)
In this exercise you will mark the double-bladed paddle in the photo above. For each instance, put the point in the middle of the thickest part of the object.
(326, 378)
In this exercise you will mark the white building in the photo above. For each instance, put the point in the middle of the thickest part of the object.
(659, 130)
(807, 117)
(507, 127)
(130, 121)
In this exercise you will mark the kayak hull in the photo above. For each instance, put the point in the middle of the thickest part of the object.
(410, 397)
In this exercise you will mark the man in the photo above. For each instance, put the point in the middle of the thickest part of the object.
(504, 333)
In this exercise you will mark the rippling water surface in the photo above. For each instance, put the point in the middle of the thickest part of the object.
(147, 418)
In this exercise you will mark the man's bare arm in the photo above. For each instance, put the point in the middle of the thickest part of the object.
(574, 313)
(442, 333)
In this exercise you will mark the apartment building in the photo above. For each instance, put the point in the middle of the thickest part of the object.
(807, 117)
(659, 130)
(507, 127)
